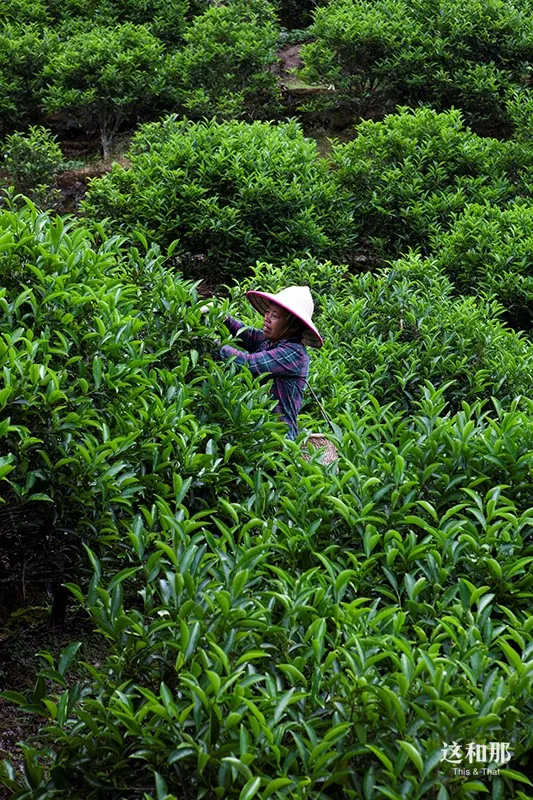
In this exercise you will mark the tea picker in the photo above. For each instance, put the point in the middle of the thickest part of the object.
(278, 350)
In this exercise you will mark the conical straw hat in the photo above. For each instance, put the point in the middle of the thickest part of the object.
(297, 300)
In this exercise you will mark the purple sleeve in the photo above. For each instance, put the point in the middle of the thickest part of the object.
(250, 337)
(282, 361)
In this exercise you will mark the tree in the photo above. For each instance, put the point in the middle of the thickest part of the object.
(22, 56)
(225, 68)
(107, 74)
(165, 19)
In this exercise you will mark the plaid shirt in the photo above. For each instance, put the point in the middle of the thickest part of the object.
(286, 361)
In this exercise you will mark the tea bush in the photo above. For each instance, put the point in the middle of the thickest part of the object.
(31, 161)
(109, 75)
(307, 654)
(350, 41)
(23, 52)
(25, 11)
(448, 54)
(408, 176)
(226, 193)
(520, 109)
(96, 344)
(273, 626)
(490, 250)
(78, 16)
(165, 20)
(387, 334)
(225, 68)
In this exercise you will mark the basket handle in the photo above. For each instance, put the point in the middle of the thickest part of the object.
(320, 405)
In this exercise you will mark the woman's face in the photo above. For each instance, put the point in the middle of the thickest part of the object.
(275, 322)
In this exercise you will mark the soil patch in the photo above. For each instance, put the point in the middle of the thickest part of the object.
(289, 60)
(73, 185)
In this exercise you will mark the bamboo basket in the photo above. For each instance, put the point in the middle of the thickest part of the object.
(318, 441)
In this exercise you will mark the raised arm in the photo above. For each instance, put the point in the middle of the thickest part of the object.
(250, 337)
(285, 360)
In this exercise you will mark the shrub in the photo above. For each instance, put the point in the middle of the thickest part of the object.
(95, 346)
(229, 193)
(411, 173)
(520, 110)
(22, 12)
(446, 54)
(31, 160)
(107, 74)
(364, 628)
(490, 250)
(351, 39)
(271, 625)
(66, 10)
(413, 329)
(23, 50)
(165, 19)
(225, 68)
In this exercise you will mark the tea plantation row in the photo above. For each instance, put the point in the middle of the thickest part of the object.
(102, 66)
(273, 628)
(475, 56)
(227, 194)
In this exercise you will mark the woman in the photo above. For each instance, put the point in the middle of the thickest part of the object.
(279, 349)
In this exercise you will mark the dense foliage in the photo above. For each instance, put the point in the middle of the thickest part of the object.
(165, 18)
(225, 68)
(25, 11)
(227, 193)
(107, 74)
(447, 54)
(268, 626)
(31, 162)
(409, 175)
(272, 626)
(85, 61)
(23, 50)
(83, 334)
(490, 250)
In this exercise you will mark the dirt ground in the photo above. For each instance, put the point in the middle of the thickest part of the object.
(73, 184)
(289, 60)
(22, 637)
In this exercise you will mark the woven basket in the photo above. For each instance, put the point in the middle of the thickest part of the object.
(318, 440)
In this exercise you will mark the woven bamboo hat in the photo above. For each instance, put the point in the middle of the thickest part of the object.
(295, 299)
